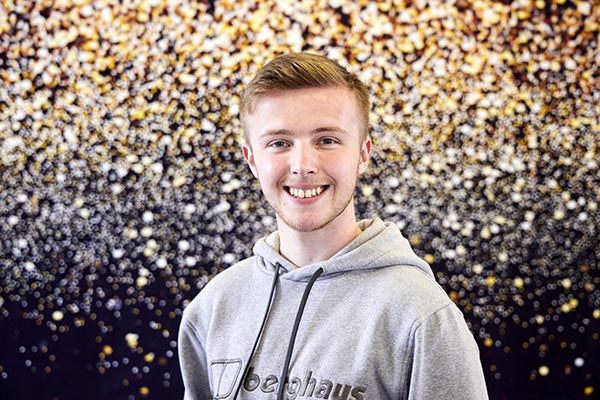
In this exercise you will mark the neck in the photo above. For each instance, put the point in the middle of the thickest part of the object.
(304, 248)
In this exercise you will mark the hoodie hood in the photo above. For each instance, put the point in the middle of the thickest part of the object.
(371, 249)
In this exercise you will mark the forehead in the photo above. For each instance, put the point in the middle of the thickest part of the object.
(300, 110)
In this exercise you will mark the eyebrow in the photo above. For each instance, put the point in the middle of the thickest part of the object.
(274, 132)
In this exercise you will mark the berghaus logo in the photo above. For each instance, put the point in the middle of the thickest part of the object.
(306, 388)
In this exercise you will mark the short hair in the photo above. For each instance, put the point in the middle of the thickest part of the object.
(303, 70)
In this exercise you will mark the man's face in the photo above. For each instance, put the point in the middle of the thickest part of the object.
(304, 148)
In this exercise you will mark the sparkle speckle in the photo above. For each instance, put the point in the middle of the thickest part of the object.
(147, 231)
(267, 220)
(519, 283)
(118, 253)
(57, 315)
(141, 281)
(183, 245)
(228, 258)
(29, 266)
(132, 339)
(124, 191)
(190, 261)
(179, 181)
(485, 233)
(108, 350)
(131, 233)
(565, 308)
(149, 357)
(429, 258)
(148, 217)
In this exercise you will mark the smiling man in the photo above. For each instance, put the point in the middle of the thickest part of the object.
(328, 307)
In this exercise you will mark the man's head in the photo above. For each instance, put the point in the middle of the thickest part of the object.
(306, 140)
(300, 71)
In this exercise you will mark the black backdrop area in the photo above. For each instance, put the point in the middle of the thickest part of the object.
(122, 189)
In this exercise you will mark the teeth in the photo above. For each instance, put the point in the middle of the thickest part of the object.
(306, 193)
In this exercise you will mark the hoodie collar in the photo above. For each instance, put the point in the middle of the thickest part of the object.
(379, 245)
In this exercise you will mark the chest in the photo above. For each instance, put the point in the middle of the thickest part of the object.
(344, 349)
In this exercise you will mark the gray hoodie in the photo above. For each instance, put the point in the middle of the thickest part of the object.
(369, 323)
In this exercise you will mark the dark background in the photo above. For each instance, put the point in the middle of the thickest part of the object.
(123, 190)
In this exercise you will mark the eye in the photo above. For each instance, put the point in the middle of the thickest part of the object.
(278, 143)
(328, 141)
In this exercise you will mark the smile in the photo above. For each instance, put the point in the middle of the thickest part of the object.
(306, 193)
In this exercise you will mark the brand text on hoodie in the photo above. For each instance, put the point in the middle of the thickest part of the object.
(306, 388)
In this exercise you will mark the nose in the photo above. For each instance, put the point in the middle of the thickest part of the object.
(303, 160)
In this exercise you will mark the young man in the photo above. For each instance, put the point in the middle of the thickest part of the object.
(328, 307)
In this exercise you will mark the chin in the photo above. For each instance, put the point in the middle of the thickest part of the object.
(307, 228)
(304, 226)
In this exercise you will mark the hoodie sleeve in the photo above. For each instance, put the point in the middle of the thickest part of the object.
(192, 359)
(446, 361)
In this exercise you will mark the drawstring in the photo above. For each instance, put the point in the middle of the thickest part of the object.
(290, 349)
(262, 327)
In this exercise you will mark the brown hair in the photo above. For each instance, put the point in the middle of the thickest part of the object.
(303, 70)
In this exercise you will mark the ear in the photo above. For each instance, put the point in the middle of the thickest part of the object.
(249, 157)
(365, 155)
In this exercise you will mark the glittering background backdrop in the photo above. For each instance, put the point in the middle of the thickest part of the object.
(122, 190)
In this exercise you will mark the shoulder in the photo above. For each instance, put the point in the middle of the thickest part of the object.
(232, 276)
(217, 288)
(426, 310)
(430, 309)
(406, 280)
(411, 290)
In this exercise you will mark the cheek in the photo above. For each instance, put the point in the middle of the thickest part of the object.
(343, 169)
(269, 169)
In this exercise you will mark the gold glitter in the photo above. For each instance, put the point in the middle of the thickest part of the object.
(149, 357)
(108, 350)
(519, 283)
(483, 112)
